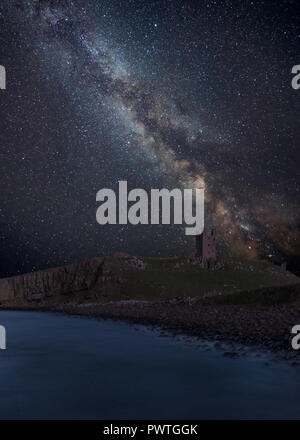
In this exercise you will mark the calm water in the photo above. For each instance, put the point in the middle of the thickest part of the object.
(57, 366)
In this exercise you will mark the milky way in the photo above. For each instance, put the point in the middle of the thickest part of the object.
(158, 93)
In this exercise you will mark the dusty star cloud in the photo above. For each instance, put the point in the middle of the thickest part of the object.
(161, 94)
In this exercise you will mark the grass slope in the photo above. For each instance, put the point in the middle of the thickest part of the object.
(168, 278)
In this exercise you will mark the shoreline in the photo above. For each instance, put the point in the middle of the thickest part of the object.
(243, 328)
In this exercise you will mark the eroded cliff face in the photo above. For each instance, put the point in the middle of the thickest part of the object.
(58, 281)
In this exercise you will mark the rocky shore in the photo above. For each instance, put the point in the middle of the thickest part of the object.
(265, 327)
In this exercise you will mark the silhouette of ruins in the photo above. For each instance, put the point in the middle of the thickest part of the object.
(206, 247)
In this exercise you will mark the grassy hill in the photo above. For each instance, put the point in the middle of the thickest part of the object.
(158, 279)
(268, 296)
(101, 280)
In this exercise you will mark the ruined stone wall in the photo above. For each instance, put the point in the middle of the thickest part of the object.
(206, 245)
(209, 245)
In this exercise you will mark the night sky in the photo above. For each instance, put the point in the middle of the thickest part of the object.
(158, 93)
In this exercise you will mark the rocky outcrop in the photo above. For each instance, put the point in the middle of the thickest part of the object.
(58, 281)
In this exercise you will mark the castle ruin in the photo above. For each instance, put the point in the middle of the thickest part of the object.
(206, 247)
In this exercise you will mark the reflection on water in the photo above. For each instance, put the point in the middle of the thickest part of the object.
(58, 366)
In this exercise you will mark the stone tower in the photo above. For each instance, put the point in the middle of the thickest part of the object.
(206, 246)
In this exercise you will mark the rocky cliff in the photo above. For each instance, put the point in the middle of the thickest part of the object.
(50, 282)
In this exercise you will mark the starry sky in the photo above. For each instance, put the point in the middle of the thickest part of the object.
(168, 93)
